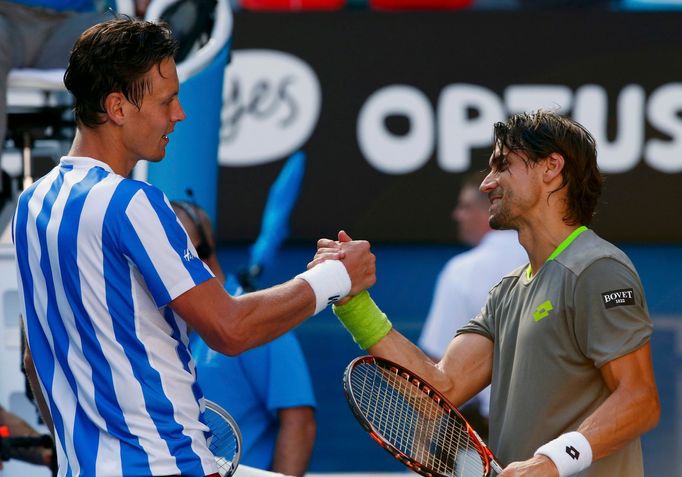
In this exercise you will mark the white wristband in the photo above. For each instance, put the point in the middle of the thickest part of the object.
(330, 282)
(570, 452)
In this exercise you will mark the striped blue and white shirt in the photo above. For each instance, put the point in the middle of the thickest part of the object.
(99, 258)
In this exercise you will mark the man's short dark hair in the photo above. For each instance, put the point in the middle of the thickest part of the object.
(114, 56)
(541, 133)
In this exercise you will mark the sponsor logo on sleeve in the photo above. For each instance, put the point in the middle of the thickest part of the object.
(622, 297)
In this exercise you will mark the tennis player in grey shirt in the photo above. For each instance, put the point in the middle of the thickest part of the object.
(584, 308)
(564, 340)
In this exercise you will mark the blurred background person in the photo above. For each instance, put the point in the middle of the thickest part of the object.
(267, 390)
(463, 284)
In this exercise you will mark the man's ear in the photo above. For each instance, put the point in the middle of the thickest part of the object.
(114, 107)
(554, 165)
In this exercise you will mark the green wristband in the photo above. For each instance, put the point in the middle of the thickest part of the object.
(364, 320)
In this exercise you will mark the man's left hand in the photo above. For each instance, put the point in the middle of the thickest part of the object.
(538, 466)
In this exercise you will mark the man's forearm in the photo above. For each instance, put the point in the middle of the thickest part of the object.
(632, 408)
(32, 378)
(295, 441)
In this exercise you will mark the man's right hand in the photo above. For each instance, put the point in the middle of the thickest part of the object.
(356, 256)
(537, 466)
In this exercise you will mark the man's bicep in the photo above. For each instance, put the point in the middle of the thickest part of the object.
(207, 308)
(468, 363)
(633, 370)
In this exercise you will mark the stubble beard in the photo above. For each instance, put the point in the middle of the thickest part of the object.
(501, 220)
(497, 224)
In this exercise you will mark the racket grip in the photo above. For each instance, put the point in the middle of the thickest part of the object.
(496, 467)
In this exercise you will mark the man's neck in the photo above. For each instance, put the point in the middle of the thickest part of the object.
(540, 242)
(98, 144)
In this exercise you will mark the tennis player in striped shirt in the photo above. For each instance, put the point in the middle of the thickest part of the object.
(108, 277)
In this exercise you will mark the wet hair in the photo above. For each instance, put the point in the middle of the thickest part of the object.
(114, 56)
(542, 133)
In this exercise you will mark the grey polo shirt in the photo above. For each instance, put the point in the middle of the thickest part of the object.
(551, 334)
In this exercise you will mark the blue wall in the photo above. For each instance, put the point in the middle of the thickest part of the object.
(406, 276)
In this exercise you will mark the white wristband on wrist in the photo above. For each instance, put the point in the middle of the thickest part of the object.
(330, 282)
(570, 452)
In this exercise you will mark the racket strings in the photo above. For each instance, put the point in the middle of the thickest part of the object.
(414, 423)
(450, 444)
(223, 442)
(439, 439)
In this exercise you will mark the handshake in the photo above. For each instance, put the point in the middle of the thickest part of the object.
(339, 270)
(342, 270)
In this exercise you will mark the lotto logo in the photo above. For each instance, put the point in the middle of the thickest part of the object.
(543, 310)
(572, 452)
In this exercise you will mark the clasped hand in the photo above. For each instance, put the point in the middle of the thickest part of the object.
(356, 256)
(537, 466)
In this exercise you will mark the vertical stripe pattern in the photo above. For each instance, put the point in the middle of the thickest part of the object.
(99, 258)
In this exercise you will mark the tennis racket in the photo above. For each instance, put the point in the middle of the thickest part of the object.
(415, 423)
(225, 441)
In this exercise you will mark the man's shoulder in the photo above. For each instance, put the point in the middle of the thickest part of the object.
(587, 249)
(128, 189)
(510, 278)
(136, 185)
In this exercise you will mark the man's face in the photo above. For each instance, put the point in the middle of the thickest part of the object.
(471, 215)
(146, 132)
(513, 187)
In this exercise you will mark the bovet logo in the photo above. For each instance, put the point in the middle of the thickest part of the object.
(271, 103)
(618, 298)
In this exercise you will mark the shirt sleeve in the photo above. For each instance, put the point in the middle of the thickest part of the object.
(483, 323)
(289, 382)
(155, 241)
(611, 315)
